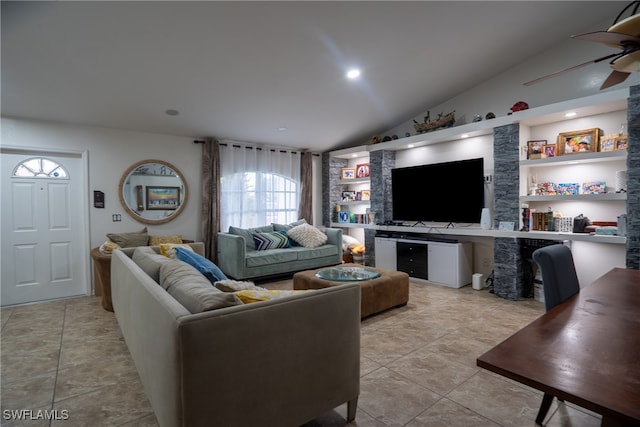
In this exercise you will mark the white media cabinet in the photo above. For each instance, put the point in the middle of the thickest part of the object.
(443, 263)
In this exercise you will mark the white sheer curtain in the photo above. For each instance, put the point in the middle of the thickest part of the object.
(259, 185)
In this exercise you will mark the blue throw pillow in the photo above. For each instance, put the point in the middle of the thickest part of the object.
(211, 271)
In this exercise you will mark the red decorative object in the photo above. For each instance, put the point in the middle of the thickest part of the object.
(519, 106)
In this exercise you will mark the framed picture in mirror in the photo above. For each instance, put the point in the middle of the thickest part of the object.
(163, 198)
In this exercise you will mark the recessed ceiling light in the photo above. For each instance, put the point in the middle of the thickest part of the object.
(353, 73)
(410, 146)
(464, 135)
(172, 112)
(570, 114)
(282, 128)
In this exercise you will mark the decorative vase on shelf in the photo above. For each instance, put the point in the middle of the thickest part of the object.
(485, 219)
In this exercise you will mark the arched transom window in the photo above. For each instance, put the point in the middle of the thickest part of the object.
(40, 167)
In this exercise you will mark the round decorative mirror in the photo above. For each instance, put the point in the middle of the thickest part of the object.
(153, 191)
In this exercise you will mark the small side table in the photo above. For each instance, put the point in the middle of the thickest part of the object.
(102, 277)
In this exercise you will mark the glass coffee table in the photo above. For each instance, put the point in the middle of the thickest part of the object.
(347, 274)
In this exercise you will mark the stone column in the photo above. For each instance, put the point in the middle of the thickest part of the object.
(380, 164)
(507, 261)
(633, 179)
(331, 167)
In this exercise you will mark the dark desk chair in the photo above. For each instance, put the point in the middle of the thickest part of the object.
(560, 282)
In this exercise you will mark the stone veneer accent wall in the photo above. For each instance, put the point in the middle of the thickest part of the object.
(508, 279)
(380, 165)
(331, 187)
(633, 179)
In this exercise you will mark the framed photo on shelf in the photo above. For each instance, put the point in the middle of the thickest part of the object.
(347, 173)
(163, 198)
(366, 194)
(549, 150)
(348, 196)
(608, 142)
(362, 170)
(594, 187)
(579, 141)
(621, 142)
(535, 149)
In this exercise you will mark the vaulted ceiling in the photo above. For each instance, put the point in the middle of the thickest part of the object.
(267, 72)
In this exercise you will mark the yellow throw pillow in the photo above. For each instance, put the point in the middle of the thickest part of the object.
(172, 238)
(108, 247)
(169, 249)
(251, 295)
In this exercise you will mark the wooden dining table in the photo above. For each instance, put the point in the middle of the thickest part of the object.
(585, 350)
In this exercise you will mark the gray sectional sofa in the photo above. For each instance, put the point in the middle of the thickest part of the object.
(241, 364)
(238, 257)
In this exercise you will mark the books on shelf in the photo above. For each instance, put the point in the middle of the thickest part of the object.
(347, 217)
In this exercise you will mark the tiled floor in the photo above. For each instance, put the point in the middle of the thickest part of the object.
(418, 366)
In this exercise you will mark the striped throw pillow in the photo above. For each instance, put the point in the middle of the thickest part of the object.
(271, 240)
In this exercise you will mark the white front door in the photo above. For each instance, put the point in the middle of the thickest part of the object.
(42, 225)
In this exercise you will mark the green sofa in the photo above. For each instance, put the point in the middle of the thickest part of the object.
(239, 259)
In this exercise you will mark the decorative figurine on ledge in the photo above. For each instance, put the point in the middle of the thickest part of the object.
(443, 121)
(518, 106)
(526, 217)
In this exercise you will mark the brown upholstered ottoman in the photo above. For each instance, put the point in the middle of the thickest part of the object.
(389, 290)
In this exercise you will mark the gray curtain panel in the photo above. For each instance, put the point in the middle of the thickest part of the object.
(210, 196)
(305, 210)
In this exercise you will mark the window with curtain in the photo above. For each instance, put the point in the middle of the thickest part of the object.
(258, 185)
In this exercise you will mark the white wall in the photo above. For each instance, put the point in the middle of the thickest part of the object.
(111, 152)
(459, 150)
(498, 94)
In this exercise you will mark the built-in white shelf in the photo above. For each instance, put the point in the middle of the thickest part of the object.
(351, 225)
(355, 181)
(477, 231)
(351, 153)
(576, 198)
(355, 202)
(570, 159)
(614, 100)
(601, 103)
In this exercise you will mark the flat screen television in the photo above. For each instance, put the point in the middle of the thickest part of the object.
(450, 192)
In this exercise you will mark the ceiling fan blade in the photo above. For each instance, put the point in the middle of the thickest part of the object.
(608, 38)
(566, 70)
(614, 78)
